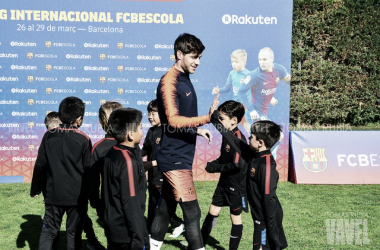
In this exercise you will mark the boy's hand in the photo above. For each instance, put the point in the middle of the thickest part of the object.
(214, 105)
(215, 90)
(154, 163)
(205, 133)
(35, 196)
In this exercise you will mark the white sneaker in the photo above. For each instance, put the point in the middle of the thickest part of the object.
(178, 231)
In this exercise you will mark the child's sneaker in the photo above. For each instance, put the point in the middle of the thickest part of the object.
(178, 231)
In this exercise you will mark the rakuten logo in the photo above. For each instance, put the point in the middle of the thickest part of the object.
(22, 44)
(150, 58)
(24, 91)
(76, 56)
(91, 114)
(96, 45)
(94, 68)
(234, 19)
(10, 102)
(24, 158)
(16, 113)
(9, 148)
(8, 79)
(25, 137)
(96, 91)
(148, 80)
(78, 79)
(161, 69)
(142, 102)
(9, 125)
(163, 46)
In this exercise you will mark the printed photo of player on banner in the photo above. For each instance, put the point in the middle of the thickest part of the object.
(102, 50)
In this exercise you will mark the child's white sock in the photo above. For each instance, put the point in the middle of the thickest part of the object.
(155, 244)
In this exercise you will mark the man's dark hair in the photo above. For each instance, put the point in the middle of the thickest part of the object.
(70, 109)
(122, 121)
(232, 109)
(52, 120)
(187, 43)
(267, 131)
(152, 106)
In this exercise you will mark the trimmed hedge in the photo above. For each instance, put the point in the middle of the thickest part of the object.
(336, 62)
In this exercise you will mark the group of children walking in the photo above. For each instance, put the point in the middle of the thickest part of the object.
(111, 174)
(69, 171)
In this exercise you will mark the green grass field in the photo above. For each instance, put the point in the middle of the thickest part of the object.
(310, 213)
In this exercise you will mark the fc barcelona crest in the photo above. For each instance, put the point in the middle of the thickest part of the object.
(228, 148)
(102, 56)
(31, 147)
(172, 57)
(102, 101)
(120, 91)
(30, 101)
(29, 55)
(30, 124)
(49, 90)
(30, 78)
(158, 140)
(120, 45)
(314, 159)
(102, 79)
(48, 67)
(120, 68)
(48, 44)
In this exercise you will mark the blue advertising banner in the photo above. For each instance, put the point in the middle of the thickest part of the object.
(102, 50)
(336, 157)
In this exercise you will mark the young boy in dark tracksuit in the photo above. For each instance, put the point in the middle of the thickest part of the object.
(99, 150)
(65, 157)
(155, 178)
(262, 178)
(39, 175)
(124, 184)
(231, 188)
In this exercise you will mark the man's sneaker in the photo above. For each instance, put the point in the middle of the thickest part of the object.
(94, 245)
(178, 231)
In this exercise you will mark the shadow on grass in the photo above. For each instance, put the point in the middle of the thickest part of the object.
(211, 242)
(214, 243)
(31, 231)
